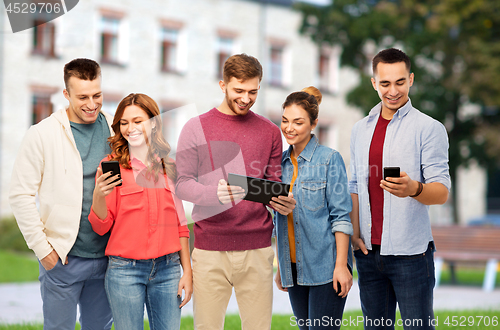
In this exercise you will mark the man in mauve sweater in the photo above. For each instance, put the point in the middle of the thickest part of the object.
(232, 236)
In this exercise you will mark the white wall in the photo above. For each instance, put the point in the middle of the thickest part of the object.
(471, 196)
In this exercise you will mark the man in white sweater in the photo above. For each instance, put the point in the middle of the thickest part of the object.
(58, 159)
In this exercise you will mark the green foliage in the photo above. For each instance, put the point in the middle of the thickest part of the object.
(455, 50)
(10, 236)
(363, 95)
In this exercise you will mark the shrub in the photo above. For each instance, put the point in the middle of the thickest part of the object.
(11, 238)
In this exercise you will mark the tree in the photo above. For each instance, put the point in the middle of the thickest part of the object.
(455, 50)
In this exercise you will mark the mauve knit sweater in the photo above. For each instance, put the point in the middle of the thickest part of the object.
(211, 146)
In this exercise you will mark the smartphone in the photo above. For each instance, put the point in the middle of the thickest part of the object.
(111, 166)
(391, 172)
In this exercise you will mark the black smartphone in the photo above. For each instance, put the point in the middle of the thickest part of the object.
(391, 172)
(111, 166)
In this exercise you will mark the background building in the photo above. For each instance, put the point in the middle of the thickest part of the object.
(172, 51)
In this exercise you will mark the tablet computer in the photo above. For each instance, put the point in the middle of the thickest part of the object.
(258, 190)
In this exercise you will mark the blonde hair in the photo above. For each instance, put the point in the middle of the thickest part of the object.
(311, 90)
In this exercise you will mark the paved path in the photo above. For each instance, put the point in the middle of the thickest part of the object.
(21, 303)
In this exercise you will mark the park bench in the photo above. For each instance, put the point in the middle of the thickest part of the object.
(467, 244)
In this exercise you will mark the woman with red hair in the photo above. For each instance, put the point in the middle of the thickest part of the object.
(148, 230)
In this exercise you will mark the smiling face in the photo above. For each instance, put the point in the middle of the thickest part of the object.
(240, 96)
(85, 100)
(296, 127)
(392, 81)
(136, 126)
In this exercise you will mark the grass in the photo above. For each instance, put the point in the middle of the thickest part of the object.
(467, 275)
(17, 267)
(19, 264)
(452, 320)
(23, 267)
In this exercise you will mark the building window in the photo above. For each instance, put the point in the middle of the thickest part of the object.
(276, 65)
(41, 107)
(324, 71)
(322, 132)
(328, 66)
(169, 49)
(174, 115)
(110, 27)
(225, 46)
(44, 38)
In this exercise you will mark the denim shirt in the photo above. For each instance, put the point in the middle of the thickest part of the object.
(323, 206)
(418, 144)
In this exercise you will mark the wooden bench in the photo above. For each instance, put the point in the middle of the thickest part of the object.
(471, 244)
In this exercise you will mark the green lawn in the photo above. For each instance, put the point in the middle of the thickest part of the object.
(472, 276)
(23, 267)
(20, 265)
(476, 319)
(17, 267)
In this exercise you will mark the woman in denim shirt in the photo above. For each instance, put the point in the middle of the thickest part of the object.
(313, 242)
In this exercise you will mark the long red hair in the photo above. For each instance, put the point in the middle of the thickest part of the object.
(158, 147)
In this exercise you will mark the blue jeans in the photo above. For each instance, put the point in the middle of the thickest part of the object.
(407, 280)
(80, 282)
(132, 283)
(315, 307)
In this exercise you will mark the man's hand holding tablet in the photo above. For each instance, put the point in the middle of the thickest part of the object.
(275, 194)
(228, 194)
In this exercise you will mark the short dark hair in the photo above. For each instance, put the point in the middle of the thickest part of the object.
(81, 68)
(242, 67)
(391, 55)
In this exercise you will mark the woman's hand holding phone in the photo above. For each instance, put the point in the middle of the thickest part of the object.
(106, 182)
(104, 185)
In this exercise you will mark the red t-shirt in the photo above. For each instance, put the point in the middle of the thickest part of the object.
(376, 172)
